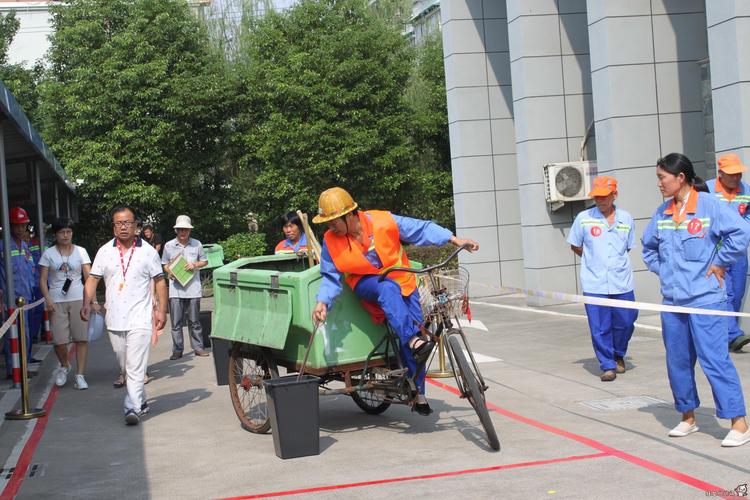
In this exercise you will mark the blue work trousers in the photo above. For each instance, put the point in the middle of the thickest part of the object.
(735, 280)
(402, 313)
(688, 337)
(7, 347)
(36, 317)
(611, 329)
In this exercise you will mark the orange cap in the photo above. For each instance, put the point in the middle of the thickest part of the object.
(603, 186)
(731, 164)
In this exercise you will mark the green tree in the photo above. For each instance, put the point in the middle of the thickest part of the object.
(21, 81)
(9, 25)
(428, 104)
(322, 104)
(135, 103)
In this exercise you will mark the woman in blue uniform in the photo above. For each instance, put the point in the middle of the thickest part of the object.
(689, 243)
(295, 240)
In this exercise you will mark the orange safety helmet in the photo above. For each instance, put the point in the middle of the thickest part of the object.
(19, 216)
(334, 203)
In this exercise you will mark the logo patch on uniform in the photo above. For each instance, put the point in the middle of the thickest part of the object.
(596, 231)
(742, 208)
(694, 226)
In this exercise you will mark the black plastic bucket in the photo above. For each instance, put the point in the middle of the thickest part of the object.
(293, 408)
(205, 319)
(220, 353)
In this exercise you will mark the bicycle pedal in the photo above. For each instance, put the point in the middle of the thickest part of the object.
(397, 373)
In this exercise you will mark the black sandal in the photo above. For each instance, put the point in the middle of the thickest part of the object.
(422, 408)
(422, 349)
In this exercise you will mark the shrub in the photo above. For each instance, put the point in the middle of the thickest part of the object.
(431, 255)
(243, 245)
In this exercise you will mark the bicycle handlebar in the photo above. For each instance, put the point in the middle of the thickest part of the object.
(424, 269)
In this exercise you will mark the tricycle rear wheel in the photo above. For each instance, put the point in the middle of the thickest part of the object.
(372, 401)
(248, 368)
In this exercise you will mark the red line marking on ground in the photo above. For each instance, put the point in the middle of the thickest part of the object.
(19, 473)
(684, 478)
(421, 477)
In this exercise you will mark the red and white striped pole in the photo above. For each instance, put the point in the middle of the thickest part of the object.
(47, 331)
(14, 350)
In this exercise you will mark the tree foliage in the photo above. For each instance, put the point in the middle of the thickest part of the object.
(322, 104)
(243, 245)
(135, 104)
(9, 25)
(428, 104)
(21, 81)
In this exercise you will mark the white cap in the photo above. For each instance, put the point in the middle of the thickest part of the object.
(183, 222)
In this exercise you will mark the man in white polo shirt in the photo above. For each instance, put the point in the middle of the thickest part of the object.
(128, 266)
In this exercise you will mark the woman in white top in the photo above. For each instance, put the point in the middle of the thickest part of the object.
(62, 267)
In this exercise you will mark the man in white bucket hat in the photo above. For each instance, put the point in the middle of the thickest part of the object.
(185, 297)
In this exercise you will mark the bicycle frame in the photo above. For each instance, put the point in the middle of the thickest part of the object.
(443, 314)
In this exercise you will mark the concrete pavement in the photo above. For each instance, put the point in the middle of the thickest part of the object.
(563, 433)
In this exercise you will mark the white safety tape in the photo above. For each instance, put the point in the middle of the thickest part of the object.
(6, 326)
(33, 304)
(601, 301)
(12, 317)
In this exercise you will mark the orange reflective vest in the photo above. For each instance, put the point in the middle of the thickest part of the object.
(348, 254)
(282, 248)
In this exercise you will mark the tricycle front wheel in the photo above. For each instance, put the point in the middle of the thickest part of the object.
(471, 389)
(248, 368)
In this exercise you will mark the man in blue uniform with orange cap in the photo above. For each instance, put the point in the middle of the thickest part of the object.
(729, 188)
(602, 236)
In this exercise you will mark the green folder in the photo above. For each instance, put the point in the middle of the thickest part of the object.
(179, 272)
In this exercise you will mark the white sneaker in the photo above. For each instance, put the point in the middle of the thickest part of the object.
(80, 383)
(736, 438)
(61, 376)
(683, 429)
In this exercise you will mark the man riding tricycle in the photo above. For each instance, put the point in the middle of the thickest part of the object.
(269, 306)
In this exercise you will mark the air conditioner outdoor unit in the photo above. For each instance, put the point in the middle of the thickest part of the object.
(568, 181)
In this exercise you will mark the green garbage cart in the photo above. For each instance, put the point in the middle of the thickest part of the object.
(263, 310)
(215, 254)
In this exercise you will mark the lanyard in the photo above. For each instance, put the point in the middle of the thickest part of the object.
(65, 267)
(122, 262)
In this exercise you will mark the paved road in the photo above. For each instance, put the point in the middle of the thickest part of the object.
(564, 434)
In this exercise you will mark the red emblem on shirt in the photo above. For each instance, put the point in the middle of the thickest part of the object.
(694, 226)
(596, 231)
(742, 208)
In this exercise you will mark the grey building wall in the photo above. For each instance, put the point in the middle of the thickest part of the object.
(646, 82)
(480, 113)
(729, 43)
(728, 24)
(552, 104)
(637, 68)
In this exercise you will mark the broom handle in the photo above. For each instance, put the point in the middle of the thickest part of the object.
(307, 352)
(312, 241)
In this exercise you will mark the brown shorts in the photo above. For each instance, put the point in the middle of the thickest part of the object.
(66, 323)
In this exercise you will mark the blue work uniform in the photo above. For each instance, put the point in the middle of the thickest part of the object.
(606, 272)
(286, 246)
(681, 254)
(23, 284)
(736, 276)
(403, 313)
(36, 314)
